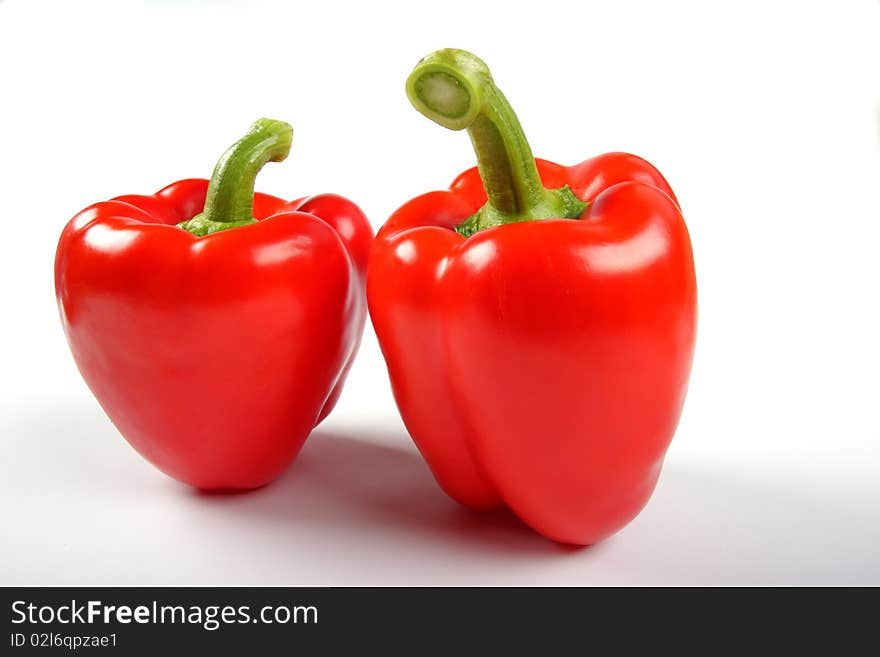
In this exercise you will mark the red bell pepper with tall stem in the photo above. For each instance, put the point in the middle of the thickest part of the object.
(215, 325)
(538, 321)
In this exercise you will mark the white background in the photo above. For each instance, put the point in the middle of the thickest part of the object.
(762, 115)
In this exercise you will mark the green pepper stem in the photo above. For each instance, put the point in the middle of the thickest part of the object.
(230, 198)
(455, 89)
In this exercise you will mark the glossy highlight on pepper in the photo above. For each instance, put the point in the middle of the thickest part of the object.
(216, 325)
(538, 321)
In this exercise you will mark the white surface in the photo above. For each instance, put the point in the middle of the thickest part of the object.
(764, 117)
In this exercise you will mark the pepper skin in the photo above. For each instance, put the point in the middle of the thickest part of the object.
(216, 346)
(538, 321)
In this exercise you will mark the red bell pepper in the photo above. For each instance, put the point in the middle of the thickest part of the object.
(538, 321)
(214, 325)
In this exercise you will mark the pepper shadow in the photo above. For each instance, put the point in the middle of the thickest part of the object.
(364, 482)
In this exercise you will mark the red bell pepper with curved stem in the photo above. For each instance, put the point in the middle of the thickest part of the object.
(215, 325)
(538, 321)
